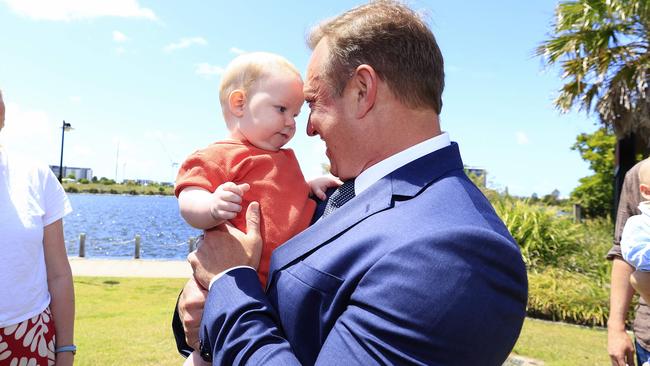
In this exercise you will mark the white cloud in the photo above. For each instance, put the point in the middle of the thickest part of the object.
(66, 10)
(75, 99)
(236, 51)
(31, 133)
(522, 138)
(185, 43)
(206, 70)
(119, 37)
(22, 123)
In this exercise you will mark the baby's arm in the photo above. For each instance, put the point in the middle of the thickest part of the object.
(205, 210)
(321, 184)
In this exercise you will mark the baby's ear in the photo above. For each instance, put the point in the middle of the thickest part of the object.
(645, 191)
(236, 102)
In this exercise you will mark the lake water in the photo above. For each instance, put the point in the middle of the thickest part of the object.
(112, 221)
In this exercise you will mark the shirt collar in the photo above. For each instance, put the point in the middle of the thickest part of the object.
(373, 174)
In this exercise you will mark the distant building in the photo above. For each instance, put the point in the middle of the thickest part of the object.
(144, 182)
(79, 173)
(479, 173)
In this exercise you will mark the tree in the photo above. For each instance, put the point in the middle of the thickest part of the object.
(596, 192)
(553, 198)
(602, 47)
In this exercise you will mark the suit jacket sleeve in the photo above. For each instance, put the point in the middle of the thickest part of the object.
(393, 316)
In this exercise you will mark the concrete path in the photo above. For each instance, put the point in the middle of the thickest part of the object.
(130, 268)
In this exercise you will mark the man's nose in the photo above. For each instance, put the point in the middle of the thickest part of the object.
(311, 131)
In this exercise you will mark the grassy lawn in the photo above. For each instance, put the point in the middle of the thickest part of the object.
(559, 344)
(127, 321)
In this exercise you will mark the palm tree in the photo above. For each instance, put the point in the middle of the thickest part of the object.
(603, 49)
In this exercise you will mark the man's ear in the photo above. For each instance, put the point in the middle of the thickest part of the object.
(365, 81)
(236, 102)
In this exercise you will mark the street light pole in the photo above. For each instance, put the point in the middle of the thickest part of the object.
(64, 127)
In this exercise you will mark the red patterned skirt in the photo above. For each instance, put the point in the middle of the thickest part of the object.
(30, 342)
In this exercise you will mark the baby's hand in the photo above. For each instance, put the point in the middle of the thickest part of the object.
(321, 184)
(226, 200)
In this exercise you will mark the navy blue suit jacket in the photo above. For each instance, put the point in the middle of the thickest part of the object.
(417, 269)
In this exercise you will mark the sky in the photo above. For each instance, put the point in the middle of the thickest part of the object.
(138, 81)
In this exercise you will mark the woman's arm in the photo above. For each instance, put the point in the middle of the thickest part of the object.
(59, 282)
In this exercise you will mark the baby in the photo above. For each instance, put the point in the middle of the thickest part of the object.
(261, 95)
(635, 241)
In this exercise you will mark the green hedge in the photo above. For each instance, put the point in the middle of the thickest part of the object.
(556, 294)
(567, 271)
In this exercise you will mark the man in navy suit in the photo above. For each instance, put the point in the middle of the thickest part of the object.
(416, 268)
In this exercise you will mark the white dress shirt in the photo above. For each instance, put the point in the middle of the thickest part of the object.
(373, 174)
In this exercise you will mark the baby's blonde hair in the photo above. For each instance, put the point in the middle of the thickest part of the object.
(246, 69)
(644, 172)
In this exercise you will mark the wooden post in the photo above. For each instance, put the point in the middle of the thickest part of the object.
(577, 213)
(191, 243)
(82, 245)
(137, 246)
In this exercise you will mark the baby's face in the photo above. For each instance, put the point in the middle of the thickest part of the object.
(270, 110)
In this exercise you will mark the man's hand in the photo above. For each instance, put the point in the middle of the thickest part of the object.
(190, 309)
(620, 348)
(226, 247)
(226, 201)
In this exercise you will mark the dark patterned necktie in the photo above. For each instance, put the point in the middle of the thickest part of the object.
(343, 194)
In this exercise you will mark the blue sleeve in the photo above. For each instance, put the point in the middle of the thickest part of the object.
(427, 303)
(239, 326)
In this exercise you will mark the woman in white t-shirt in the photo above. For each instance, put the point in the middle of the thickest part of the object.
(36, 291)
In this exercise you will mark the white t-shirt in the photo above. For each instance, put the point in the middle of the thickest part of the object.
(635, 240)
(30, 199)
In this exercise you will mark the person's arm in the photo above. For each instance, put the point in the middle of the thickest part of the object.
(320, 185)
(59, 282)
(203, 209)
(394, 315)
(619, 344)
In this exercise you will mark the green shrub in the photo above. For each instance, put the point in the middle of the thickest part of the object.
(568, 275)
(71, 189)
(543, 234)
(557, 294)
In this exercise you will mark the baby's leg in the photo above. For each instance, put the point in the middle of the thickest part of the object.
(195, 360)
(640, 280)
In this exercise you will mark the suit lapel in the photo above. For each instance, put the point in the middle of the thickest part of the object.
(406, 181)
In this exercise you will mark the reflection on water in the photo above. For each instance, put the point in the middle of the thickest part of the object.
(112, 221)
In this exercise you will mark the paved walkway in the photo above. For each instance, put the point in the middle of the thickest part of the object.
(129, 268)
